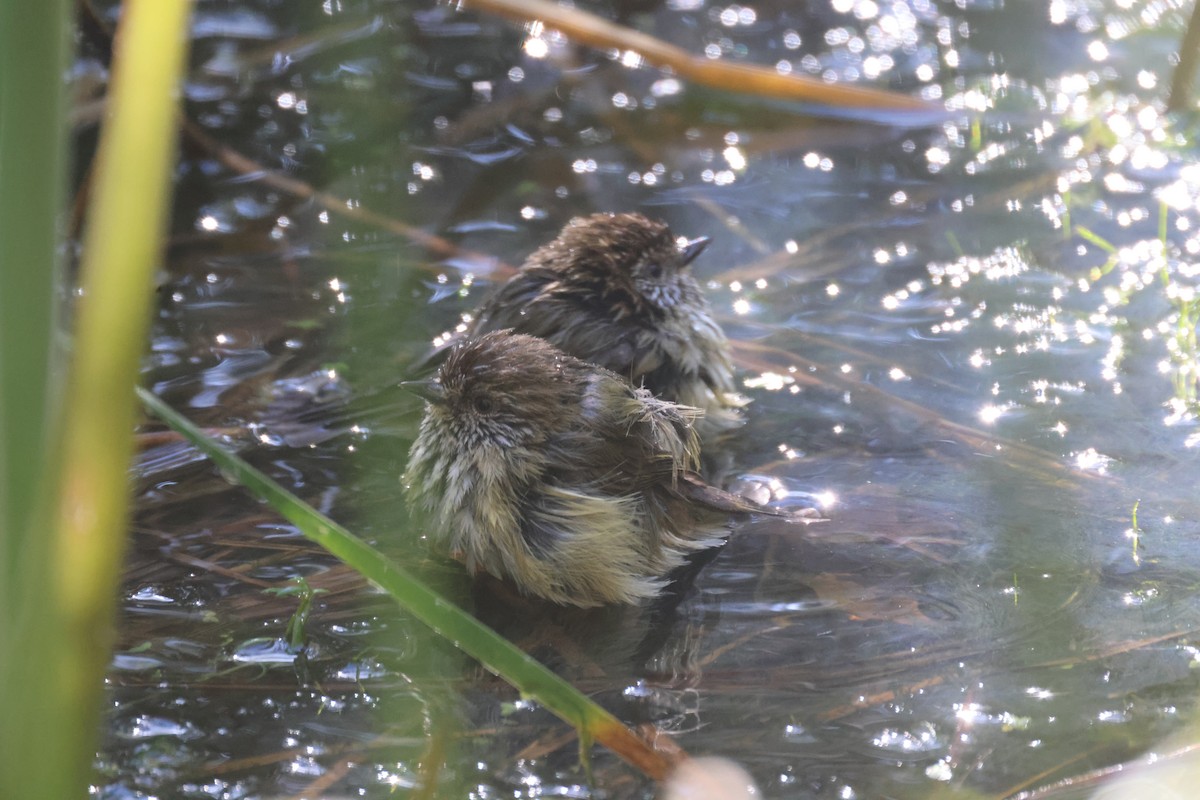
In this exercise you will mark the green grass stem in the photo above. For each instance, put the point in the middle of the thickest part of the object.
(59, 623)
(33, 59)
(1087, 234)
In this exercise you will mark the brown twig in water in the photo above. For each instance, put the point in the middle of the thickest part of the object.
(307, 44)
(733, 225)
(547, 743)
(1046, 773)
(597, 32)
(878, 698)
(1098, 776)
(327, 779)
(243, 165)
(216, 569)
(150, 439)
(429, 766)
(1117, 649)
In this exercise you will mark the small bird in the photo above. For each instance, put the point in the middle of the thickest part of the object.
(617, 290)
(558, 475)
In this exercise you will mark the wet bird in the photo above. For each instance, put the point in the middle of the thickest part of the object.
(617, 290)
(558, 475)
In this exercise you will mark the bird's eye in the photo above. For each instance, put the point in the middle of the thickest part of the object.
(654, 270)
(484, 404)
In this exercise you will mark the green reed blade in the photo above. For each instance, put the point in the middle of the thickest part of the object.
(33, 60)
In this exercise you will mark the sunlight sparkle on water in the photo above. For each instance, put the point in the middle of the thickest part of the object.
(735, 158)
(937, 157)
(1005, 263)
(666, 87)
(400, 779)
(631, 59)
(939, 771)
(536, 46)
(967, 714)
(1183, 195)
(990, 413)
(1091, 460)
(816, 161)
(771, 381)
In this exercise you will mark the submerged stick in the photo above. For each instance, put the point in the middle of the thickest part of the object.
(243, 165)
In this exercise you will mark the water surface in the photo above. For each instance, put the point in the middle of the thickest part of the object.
(969, 340)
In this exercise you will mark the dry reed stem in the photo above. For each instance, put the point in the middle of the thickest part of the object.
(597, 32)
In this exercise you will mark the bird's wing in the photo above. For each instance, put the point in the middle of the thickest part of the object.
(629, 441)
(602, 327)
(508, 305)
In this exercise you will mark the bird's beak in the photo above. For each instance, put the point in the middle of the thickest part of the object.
(429, 389)
(692, 248)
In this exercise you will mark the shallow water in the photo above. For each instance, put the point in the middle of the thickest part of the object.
(969, 340)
